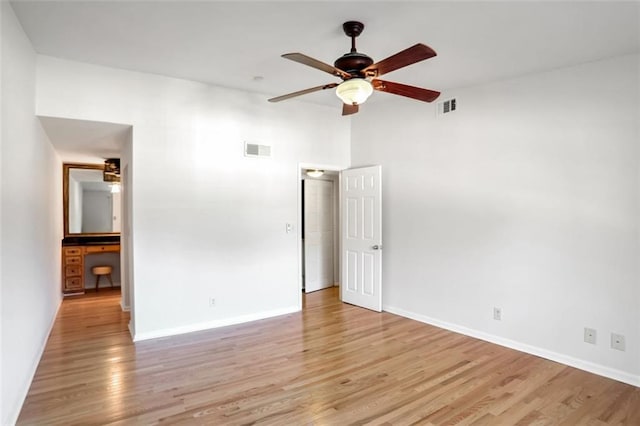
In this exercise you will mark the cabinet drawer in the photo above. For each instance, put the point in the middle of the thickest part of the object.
(72, 251)
(73, 260)
(74, 283)
(72, 271)
(100, 249)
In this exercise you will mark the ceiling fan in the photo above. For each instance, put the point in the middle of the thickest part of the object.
(360, 74)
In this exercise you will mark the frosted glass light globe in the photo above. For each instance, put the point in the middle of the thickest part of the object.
(354, 91)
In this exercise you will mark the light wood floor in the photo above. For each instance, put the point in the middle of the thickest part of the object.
(332, 364)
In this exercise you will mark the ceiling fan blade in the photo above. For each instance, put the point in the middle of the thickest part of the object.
(303, 92)
(314, 63)
(349, 109)
(409, 56)
(413, 92)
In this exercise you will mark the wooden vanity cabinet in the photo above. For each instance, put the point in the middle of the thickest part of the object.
(73, 264)
(72, 269)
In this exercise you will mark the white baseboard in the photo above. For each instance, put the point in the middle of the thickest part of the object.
(591, 367)
(13, 417)
(124, 308)
(213, 324)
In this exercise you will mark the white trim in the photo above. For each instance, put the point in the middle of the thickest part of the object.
(601, 370)
(137, 337)
(123, 307)
(34, 367)
(299, 235)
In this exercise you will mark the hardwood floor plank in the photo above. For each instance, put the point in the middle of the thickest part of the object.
(332, 364)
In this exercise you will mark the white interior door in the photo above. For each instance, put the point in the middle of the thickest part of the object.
(361, 237)
(318, 234)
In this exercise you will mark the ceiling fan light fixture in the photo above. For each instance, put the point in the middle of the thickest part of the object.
(315, 173)
(354, 91)
(360, 74)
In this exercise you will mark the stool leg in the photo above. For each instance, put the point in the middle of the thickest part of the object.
(97, 281)
(110, 280)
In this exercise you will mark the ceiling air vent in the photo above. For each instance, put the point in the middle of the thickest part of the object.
(445, 107)
(256, 150)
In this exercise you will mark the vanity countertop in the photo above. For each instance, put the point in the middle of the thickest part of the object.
(101, 240)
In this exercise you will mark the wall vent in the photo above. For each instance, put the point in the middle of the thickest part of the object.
(445, 107)
(256, 150)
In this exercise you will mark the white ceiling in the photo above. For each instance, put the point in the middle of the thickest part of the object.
(230, 43)
(82, 141)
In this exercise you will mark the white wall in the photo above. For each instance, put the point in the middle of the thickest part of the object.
(31, 206)
(527, 198)
(208, 222)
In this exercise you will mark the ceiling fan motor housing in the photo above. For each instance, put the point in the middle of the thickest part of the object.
(353, 63)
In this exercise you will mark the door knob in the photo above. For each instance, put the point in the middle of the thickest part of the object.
(376, 247)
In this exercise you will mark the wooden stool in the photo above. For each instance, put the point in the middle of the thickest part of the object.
(98, 271)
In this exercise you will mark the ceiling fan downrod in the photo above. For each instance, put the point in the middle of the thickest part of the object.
(353, 29)
(353, 62)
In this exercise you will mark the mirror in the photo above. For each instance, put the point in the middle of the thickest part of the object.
(91, 205)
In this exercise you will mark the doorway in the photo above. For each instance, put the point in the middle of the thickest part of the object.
(92, 204)
(356, 242)
(319, 228)
(318, 234)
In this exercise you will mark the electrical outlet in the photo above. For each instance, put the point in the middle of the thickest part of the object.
(497, 314)
(618, 342)
(590, 335)
(212, 302)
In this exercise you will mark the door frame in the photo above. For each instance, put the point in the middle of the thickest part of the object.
(332, 168)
